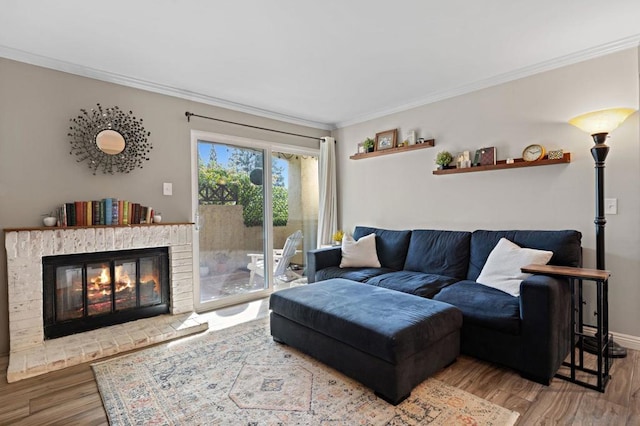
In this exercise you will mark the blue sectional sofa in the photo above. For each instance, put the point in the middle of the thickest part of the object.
(529, 333)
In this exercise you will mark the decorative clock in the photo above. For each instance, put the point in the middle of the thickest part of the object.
(533, 152)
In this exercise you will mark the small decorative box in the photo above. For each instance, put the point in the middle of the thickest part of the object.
(555, 155)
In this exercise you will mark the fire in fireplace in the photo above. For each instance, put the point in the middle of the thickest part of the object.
(87, 291)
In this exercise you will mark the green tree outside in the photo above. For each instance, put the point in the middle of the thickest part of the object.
(250, 196)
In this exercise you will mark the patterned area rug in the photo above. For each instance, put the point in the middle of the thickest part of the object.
(240, 376)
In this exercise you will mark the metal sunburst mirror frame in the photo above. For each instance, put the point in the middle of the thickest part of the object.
(86, 127)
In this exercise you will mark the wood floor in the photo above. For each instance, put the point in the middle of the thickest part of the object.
(70, 396)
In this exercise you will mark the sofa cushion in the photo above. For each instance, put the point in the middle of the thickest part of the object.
(353, 274)
(391, 245)
(502, 269)
(565, 246)
(439, 252)
(387, 324)
(483, 306)
(418, 283)
(359, 254)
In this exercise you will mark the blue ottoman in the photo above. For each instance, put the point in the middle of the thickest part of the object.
(388, 340)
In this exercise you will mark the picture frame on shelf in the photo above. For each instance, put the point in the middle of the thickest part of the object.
(463, 160)
(386, 140)
(361, 149)
(410, 137)
(555, 154)
(485, 156)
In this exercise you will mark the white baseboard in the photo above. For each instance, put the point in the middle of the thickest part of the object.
(629, 342)
(625, 340)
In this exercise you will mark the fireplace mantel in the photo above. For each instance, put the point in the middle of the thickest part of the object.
(30, 354)
(54, 228)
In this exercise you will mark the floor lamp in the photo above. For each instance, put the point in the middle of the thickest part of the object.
(599, 124)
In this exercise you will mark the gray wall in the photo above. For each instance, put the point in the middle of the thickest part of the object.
(399, 191)
(395, 191)
(37, 173)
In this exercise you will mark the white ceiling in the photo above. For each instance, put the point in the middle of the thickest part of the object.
(321, 63)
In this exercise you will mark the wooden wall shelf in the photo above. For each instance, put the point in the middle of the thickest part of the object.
(426, 144)
(502, 164)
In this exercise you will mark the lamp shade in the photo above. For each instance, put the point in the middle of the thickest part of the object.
(603, 121)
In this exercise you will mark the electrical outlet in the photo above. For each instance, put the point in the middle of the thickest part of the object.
(167, 188)
(610, 206)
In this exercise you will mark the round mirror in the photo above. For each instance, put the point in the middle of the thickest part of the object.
(110, 142)
(110, 139)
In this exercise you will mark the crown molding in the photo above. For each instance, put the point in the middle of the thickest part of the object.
(68, 67)
(573, 58)
(109, 77)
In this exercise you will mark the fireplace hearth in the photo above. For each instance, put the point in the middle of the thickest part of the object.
(83, 292)
(31, 354)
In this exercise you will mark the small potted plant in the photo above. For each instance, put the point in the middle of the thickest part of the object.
(443, 159)
(368, 145)
(337, 237)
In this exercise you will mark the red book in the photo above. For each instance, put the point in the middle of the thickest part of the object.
(79, 213)
(120, 211)
(136, 213)
(83, 215)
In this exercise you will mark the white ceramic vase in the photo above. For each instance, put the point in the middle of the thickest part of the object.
(50, 221)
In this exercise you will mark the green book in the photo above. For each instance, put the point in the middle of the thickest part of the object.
(102, 210)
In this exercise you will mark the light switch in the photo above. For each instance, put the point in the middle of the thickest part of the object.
(610, 206)
(167, 188)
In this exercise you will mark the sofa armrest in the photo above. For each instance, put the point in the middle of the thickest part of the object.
(322, 258)
(545, 310)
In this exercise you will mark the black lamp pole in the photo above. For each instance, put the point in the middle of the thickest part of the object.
(599, 153)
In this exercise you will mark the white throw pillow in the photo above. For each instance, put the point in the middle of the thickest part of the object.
(502, 269)
(359, 254)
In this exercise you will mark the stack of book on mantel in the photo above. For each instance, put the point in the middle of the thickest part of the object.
(108, 211)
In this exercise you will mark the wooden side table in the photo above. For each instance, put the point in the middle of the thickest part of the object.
(602, 337)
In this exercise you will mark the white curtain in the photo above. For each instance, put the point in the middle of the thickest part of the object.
(328, 208)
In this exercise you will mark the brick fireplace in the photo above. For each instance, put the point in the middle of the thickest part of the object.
(31, 355)
(86, 291)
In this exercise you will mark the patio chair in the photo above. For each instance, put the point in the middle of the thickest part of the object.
(281, 259)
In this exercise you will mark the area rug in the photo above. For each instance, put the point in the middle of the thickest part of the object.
(240, 376)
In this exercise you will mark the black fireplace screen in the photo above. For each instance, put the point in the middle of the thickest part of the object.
(87, 291)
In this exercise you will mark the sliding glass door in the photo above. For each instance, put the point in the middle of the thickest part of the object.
(247, 230)
(231, 218)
